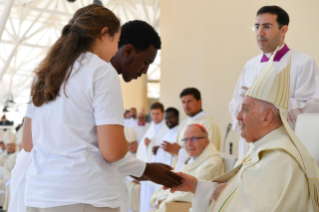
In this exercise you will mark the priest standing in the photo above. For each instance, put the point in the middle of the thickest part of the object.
(153, 137)
(271, 26)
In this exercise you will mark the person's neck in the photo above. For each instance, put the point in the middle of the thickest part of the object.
(281, 44)
(116, 63)
(172, 126)
(266, 131)
(192, 115)
(156, 123)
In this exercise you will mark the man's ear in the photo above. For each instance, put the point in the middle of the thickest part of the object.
(267, 118)
(129, 51)
(284, 29)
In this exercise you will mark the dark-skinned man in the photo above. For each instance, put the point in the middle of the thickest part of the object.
(172, 121)
(192, 105)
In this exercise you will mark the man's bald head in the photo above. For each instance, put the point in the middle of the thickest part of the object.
(257, 118)
(141, 118)
(195, 140)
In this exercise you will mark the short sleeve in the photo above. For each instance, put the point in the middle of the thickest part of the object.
(107, 100)
(29, 111)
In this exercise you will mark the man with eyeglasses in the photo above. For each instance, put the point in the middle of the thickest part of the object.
(203, 163)
(271, 26)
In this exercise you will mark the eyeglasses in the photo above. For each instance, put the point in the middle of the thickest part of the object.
(266, 28)
(192, 139)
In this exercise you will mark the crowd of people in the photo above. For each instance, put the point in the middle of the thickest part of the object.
(84, 160)
(163, 141)
(11, 144)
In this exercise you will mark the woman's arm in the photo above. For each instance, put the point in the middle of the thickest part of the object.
(112, 142)
(27, 135)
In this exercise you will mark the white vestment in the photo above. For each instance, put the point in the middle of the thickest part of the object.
(206, 166)
(162, 156)
(155, 133)
(18, 180)
(270, 178)
(304, 93)
(140, 130)
(210, 125)
(129, 122)
(10, 163)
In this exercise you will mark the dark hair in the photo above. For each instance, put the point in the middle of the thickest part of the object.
(282, 15)
(133, 108)
(140, 35)
(157, 105)
(172, 109)
(189, 91)
(77, 38)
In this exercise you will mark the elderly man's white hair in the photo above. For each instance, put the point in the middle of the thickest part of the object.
(266, 106)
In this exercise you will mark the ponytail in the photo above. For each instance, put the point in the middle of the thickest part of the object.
(77, 38)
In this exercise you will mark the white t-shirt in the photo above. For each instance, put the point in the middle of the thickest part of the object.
(67, 166)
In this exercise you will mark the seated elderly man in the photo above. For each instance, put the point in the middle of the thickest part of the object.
(277, 173)
(204, 163)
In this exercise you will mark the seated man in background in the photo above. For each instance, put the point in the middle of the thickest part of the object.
(140, 126)
(9, 139)
(130, 136)
(204, 163)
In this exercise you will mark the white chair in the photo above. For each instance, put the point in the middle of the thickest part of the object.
(229, 161)
(307, 130)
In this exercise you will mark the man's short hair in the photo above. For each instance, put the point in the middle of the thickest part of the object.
(191, 91)
(172, 109)
(133, 108)
(157, 105)
(282, 15)
(140, 35)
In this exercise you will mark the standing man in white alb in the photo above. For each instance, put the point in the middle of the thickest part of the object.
(270, 28)
(153, 137)
(172, 121)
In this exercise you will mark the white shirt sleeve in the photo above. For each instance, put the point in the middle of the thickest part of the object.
(107, 100)
(235, 104)
(203, 195)
(130, 165)
(306, 95)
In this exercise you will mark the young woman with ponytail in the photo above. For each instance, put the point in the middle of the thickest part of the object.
(74, 121)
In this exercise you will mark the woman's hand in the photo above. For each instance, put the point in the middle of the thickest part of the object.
(189, 183)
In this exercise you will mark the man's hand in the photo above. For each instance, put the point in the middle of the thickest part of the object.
(218, 190)
(147, 141)
(155, 148)
(189, 183)
(244, 91)
(161, 174)
(171, 148)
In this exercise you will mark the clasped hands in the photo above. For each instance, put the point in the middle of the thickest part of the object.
(190, 184)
